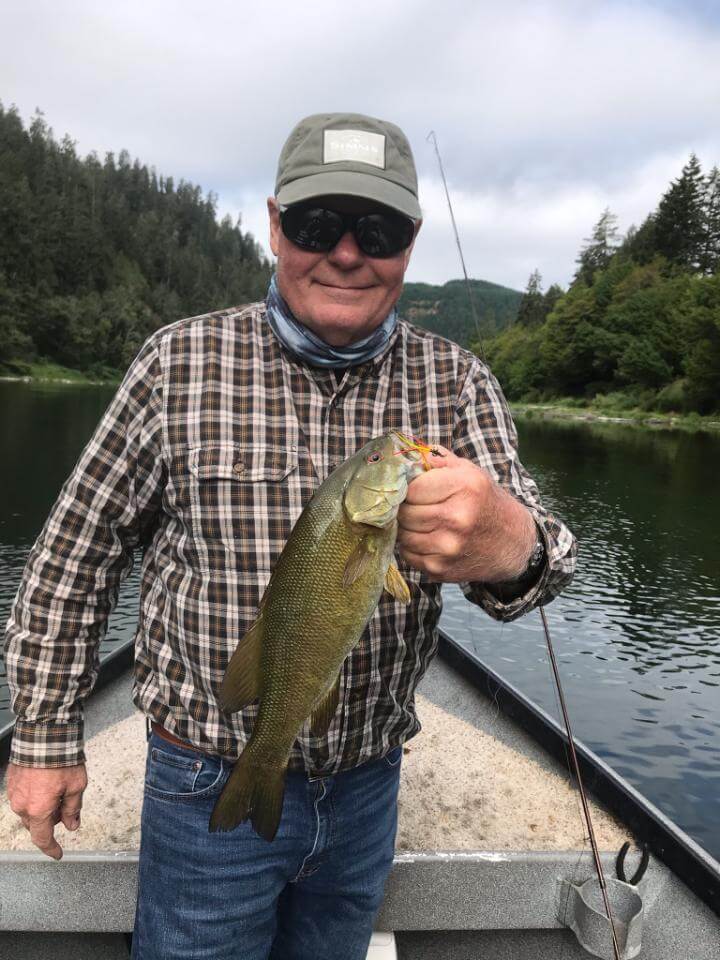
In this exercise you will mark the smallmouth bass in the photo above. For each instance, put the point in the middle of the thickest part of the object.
(322, 592)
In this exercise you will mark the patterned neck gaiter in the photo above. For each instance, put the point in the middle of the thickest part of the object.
(307, 346)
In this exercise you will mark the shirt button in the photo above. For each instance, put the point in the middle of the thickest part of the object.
(238, 468)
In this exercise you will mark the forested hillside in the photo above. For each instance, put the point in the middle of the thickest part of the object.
(96, 254)
(640, 322)
(446, 309)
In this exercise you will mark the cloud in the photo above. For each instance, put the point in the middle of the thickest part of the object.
(546, 112)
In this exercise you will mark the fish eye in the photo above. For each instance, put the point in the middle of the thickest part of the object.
(375, 457)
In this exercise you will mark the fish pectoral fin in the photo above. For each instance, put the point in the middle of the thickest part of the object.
(321, 717)
(242, 681)
(357, 561)
(396, 584)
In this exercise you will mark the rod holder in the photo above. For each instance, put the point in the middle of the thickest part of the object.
(581, 908)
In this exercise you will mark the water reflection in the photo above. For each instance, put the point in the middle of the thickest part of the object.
(43, 428)
(638, 632)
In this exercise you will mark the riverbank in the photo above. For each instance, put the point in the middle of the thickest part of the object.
(54, 373)
(651, 419)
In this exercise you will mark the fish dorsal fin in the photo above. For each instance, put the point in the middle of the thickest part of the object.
(396, 584)
(242, 682)
(358, 560)
(324, 711)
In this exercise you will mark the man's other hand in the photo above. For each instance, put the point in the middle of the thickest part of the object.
(44, 796)
(458, 524)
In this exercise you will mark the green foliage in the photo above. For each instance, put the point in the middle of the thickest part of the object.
(532, 310)
(95, 255)
(701, 363)
(680, 221)
(515, 361)
(446, 309)
(599, 249)
(673, 398)
(639, 326)
(710, 252)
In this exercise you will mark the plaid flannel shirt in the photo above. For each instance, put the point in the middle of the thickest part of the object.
(214, 442)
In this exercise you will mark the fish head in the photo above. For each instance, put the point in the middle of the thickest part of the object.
(379, 481)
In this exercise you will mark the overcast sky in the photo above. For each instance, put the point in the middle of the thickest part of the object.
(545, 112)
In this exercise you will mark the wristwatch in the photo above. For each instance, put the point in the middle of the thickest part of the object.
(536, 558)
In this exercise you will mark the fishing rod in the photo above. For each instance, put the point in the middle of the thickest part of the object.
(457, 241)
(551, 652)
(581, 788)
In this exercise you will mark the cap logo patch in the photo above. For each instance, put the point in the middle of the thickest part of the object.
(358, 146)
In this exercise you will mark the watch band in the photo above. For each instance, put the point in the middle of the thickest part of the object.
(537, 555)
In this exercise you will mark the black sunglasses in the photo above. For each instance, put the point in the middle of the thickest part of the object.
(319, 229)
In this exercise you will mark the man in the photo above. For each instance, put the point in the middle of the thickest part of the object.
(222, 429)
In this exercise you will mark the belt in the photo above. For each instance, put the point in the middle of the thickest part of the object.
(171, 738)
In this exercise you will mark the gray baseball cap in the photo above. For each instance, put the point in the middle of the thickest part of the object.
(348, 154)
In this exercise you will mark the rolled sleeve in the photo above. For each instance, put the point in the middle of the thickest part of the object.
(73, 573)
(485, 433)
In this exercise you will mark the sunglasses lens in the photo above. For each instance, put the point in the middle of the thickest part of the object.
(319, 229)
(383, 235)
(312, 228)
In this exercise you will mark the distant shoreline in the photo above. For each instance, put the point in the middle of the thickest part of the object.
(54, 373)
(651, 420)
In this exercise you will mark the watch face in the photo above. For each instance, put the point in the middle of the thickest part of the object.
(537, 554)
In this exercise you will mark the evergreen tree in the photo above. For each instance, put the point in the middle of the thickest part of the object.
(599, 249)
(701, 322)
(640, 244)
(710, 257)
(531, 312)
(553, 294)
(95, 256)
(641, 323)
(680, 219)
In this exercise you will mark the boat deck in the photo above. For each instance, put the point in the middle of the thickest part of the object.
(489, 823)
(471, 780)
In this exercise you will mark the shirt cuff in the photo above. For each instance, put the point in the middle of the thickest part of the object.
(489, 596)
(47, 744)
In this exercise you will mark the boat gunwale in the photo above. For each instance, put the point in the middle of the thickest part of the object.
(665, 839)
(668, 842)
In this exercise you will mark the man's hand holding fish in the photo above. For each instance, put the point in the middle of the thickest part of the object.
(458, 524)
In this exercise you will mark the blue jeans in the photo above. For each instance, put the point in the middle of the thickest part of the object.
(310, 894)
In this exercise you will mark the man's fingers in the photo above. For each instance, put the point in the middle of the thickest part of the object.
(431, 487)
(70, 810)
(432, 565)
(417, 519)
(71, 821)
(42, 834)
(44, 796)
(415, 544)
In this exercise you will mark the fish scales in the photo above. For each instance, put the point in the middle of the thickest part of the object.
(325, 587)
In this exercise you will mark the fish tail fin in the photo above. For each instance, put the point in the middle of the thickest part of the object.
(253, 791)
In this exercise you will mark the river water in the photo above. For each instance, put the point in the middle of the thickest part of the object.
(637, 634)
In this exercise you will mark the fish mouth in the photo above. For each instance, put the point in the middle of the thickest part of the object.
(414, 453)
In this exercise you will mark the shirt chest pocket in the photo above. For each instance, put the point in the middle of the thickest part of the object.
(239, 503)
